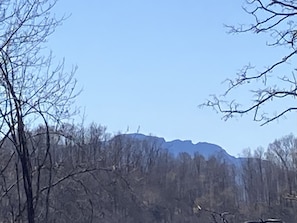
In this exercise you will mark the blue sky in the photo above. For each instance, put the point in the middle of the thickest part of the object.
(147, 65)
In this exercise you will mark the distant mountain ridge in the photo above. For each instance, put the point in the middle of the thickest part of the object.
(177, 146)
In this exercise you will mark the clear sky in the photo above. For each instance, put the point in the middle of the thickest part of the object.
(147, 65)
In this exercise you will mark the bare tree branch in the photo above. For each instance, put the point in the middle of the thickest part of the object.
(278, 19)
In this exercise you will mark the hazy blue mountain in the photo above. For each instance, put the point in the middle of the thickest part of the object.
(178, 146)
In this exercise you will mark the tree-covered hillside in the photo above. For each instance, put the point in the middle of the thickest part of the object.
(92, 176)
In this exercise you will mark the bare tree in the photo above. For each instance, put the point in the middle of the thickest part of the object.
(283, 153)
(32, 91)
(269, 86)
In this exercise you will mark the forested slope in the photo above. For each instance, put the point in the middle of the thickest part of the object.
(92, 176)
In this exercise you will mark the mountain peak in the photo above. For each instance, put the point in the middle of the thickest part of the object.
(207, 150)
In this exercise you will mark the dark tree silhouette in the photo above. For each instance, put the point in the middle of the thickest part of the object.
(274, 84)
(32, 90)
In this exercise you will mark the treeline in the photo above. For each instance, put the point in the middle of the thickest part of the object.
(88, 175)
